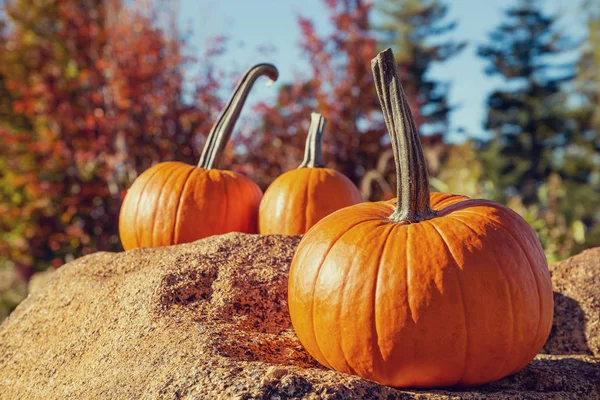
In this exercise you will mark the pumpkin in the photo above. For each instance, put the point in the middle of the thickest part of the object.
(298, 199)
(173, 202)
(424, 290)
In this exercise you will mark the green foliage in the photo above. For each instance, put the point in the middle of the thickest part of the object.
(462, 173)
(528, 115)
(561, 218)
(586, 115)
(543, 157)
(13, 289)
(565, 217)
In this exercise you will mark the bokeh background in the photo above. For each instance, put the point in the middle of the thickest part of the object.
(506, 94)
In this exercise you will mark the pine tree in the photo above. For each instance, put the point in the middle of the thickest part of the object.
(542, 159)
(527, 115)
(416, 30)
(588, 77)
(578, 162)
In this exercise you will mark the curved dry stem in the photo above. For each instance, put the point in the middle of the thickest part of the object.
(383, 161)
(221, 131)
(368, 179)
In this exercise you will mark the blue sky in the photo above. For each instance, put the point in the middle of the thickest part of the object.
(252, 24)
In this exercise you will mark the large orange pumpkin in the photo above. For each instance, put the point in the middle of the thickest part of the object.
(298, 199)
(425, 291)
(173, 202)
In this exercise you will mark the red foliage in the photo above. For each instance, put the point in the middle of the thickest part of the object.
(340, 87)
(91, 95)
(96, 93)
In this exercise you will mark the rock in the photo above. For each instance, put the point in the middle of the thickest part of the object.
(39, 279)
(13, 289)
(209, 320)
(576, 325)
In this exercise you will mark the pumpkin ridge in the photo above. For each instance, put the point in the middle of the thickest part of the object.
(161, 192)
(175, 231)
(468, 203)
(319, 269)
(515, 217)
(512, 313)
(440, 205)
(312, 303)
(288, 187)
(407, 262)
(208, 182)
(456, 207)
(375, 289)
(307, 196)
(289, 203)
(139, 199)
(236, 182)
(338, 318)
(537, 284)
(299, 194)
(343, 296)
(225, 201)
(462, 298)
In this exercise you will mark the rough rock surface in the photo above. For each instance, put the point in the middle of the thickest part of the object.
(209, 320)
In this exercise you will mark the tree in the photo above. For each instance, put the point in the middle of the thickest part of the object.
(578, 162)
(541, 158)
(414, 28)
(528, 115)
(587, 83)
(341, 88)
(94, 95)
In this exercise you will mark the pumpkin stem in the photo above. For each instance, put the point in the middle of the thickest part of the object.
(413, 203)
(313, 153)
(221, 131)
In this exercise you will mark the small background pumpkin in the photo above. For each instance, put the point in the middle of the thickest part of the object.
(298, 199)
(422, 291)
(173, 202)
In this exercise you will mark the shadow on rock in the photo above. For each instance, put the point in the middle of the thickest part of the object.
(547, 373)
(568, 328)
(275, 349)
